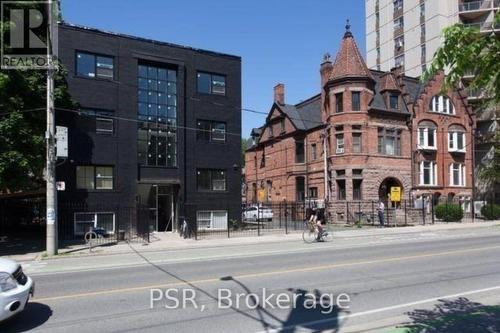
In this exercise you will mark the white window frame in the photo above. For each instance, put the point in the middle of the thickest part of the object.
(211, 225)
(433, 173)
(453, 141)
(339, 138)
(461, 174)
(442, 104)
(425, 132)
(94, 221)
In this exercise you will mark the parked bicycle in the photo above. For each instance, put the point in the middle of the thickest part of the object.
(311, 233)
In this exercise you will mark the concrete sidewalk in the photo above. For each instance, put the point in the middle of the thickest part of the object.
(172, 241)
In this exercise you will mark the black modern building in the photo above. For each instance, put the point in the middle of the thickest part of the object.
(158, 125)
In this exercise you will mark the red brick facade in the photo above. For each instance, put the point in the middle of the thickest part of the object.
(368, 123)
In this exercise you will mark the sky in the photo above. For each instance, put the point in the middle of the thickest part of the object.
(279, 41)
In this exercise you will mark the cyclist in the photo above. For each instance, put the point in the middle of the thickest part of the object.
(317, 217)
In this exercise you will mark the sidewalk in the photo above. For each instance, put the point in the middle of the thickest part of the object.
(172, 241)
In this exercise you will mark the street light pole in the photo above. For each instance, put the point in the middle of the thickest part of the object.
(51, 199)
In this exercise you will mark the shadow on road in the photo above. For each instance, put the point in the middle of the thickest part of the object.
(460, 315)
(34, 315)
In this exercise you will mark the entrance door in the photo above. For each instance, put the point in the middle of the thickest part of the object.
(166, 209)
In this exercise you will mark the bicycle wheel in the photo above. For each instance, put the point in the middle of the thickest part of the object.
(310, 234)
(327, 234)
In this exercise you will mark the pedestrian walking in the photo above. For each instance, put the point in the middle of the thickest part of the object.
(380, 211)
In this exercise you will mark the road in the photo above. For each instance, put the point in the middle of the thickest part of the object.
(364, 285)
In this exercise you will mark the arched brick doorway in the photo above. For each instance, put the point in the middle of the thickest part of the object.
(384, 189)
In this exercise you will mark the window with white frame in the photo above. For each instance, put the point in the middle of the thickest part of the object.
(84, 222)
(456, 139)
(457, 174)
(428, 173)
(441, 104)
(427, 136)
(212, 220)
(340, 144)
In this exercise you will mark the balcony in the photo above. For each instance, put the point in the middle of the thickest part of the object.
(474, 9)
(475, 93)
(484, 27)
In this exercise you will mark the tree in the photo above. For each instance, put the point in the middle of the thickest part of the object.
(245, 144)
(466, 50)
(23, 124)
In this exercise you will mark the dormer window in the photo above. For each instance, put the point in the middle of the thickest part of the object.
(282, 125)
(271, 133)
(441, 104)
(394, 101)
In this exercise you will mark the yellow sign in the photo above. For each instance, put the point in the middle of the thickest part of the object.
(261, 195)
(396, 193)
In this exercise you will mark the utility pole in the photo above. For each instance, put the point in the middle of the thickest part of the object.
(51, 199)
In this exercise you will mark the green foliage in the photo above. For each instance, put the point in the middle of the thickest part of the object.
(465, 50)
(23, 124)
(449, 212)
(245, 144)
(491, 211)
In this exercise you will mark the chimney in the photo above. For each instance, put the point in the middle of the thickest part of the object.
(279, 93)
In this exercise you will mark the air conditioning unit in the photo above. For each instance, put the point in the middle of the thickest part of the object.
(399, 44)
(340, 150)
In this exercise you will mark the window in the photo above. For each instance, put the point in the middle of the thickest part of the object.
(399, 61)
(427, 137)
(356, 189)
(271, 131)
(263, 159)
(341, 195)
(104, 123)
(422, 9)
(85, 221)
(282, 125)
(422, 31)
(399, 42)
(210, 131)
(399, 23)
(356, 142)
(441, 104)
(314, 155)
(456, 141)
(428, 173)
(424, 68)
(211, 84)
(423, 51)
(299, 151)
(313, 192)
(214, 220)
(211, 180)
(300, 188)
(356, 100)
(157, 114)
(357, 172)
(398, 4)
(94, 177)
(340, 173)
(340, 144)
(457, 174)
(389, 141)
(394, 102)
(94, 66)
(339, 102)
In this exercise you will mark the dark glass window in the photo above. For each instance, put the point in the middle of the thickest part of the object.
(314, 153)
(313, 193)
(339, 102)
(356, 101)
(211, 180)
(157, 114)
(282, 125)
(94, 66)
(300, 189)
(394, 102)
(211, 83)
(356, 142)
(356, 189)
(104, 122)
(211, 131)
(341, 195)
(94, 177)
(389, 141)
(299, 151)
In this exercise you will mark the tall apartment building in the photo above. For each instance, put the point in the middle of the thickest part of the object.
(407, 33)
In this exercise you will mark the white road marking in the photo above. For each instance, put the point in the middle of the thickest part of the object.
(388, 308)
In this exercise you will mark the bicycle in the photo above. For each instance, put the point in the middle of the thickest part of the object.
(311, 231)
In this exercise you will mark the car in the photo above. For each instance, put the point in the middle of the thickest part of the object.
(15, 289)
(257, 213)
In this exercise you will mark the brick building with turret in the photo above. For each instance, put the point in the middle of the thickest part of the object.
(366, 132)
